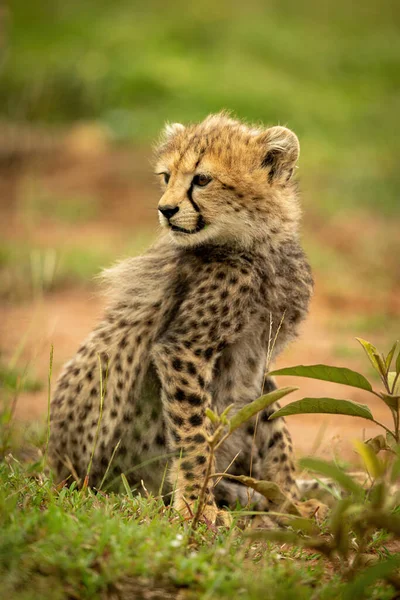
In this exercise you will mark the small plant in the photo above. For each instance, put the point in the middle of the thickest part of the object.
(390, 396)
(365, 513)
(223, 428)
(353, 538)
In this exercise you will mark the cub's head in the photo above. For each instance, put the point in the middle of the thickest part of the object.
(226, 182)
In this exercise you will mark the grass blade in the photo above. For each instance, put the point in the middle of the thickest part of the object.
(390, 355)
(126, 486)
(49, 400)
(109, 465)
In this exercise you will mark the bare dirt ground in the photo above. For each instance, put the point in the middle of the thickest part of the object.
(119, 181)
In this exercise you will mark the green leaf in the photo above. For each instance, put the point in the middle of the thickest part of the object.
(398, 363)
(226, 412)
(395, 473)
(248, 411)
(334, 472)
(331, 406)
(212, 416)
(372, 463)
(391, 376)
(377, 443)
(390, 401)
(326, 373)
(371, 352)
(358, 588)
(390, 355)
(391, 441)
(381, 363)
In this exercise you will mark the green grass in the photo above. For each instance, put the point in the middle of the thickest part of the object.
(58, 542)
(329, 72)
(67, 543)
(12, 379)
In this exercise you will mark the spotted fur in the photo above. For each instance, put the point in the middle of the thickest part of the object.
(190, 322)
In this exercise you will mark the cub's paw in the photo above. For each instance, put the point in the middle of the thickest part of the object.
(313, 508)
(210, 513)
(213, 515)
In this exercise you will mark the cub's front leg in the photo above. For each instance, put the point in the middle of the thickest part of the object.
(185, 377)
(209, 318)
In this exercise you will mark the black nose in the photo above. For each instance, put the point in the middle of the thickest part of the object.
(168, 211)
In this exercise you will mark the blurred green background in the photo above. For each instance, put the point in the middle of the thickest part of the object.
(329, 70)
(101, 78)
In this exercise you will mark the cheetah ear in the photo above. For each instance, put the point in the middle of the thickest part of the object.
(172, 129)
(282, 150)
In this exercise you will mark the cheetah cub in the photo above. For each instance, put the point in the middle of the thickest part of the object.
(188, 323)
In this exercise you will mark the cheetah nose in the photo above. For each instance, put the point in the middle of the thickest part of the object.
(168, 211)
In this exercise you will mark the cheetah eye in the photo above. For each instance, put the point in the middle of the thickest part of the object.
(201, 180)
(166, 177)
